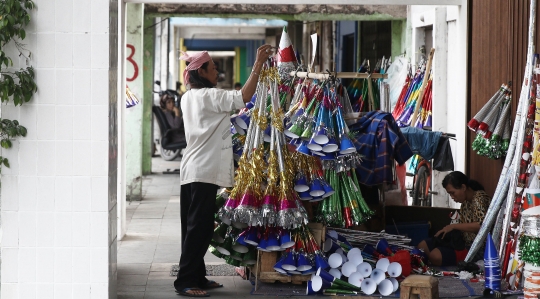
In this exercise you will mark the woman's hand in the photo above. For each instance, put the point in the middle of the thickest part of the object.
(176, 111)
(445, 230)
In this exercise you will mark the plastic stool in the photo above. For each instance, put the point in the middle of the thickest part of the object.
(424, 287)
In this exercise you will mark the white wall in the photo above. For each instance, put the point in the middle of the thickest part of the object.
(58, 206)
(450, 77)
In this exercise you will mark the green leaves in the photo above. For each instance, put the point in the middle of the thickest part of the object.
(13, 17)
(18, 86)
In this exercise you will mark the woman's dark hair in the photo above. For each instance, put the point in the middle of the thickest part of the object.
(163, 101)
(197, 81)
(458, 178)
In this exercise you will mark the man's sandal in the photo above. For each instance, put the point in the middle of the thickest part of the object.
(185, 292)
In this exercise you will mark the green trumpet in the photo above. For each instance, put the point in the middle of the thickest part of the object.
(232, 261)
(297, 128)
(220, 232)
(226, 247)
(338, 291)
(237, 255)
(215, 252)
(308, 131)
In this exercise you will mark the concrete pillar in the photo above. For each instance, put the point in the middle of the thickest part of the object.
(134, 115)
(440, 81)
(164, 53)
(148, 78)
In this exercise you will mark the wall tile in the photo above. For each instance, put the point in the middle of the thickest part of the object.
(10, 237)
(82, 86)
(100, 87)
(64, 15)
(27, 157)
(63, 194)
(31, 46)
(100, 19)
(81, 50)
(64, 123)
(46, 159)
(63, 291)
(10, 193)
(10, 111)
(99, 230)
(10, 265)
(81, 231)
(45, 291)
(99, 49)
(44, 14)
(13, 157)
(31, 27)
(82, 152)
(82, 124)
(27, 193)
(45, 193)
(99, 290)
(9, 290)
(83, 23)
(28, 118)
(11, 51)
(27, 265)
(100, 156)
(81, 290)
(100, 266)
(46, 120)
(28, 290)
(45, 57)
(45, 265)
(63, 229)
(82, 200)
(82, 261)
(64, 157)
(45, 229)
(44, 77)
(64, 87)
(64, 50)
(27, 229)
(100, 122)
(63, 266)
(100, 202)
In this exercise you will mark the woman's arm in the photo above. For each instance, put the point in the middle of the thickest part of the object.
(249, 88)
(472, 227)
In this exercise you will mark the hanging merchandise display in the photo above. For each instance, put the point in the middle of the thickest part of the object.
(492, 125)
(513, 180)
(131, 98)
(368, 94)
(279, 141)
(414, 107)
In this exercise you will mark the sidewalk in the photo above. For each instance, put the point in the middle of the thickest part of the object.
(152, 243)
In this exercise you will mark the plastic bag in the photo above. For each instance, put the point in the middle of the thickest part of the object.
(397, 73)
(443, 159)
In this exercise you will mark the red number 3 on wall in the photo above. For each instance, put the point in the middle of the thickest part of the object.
(133, 62)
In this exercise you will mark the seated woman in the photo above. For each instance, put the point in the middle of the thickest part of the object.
(174, 118)
(451, 244)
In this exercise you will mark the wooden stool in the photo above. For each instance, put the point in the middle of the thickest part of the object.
(424, 287)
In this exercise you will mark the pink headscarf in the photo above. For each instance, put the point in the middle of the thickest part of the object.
(195, 62)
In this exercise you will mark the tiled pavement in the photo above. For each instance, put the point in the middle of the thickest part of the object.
(152, 243)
